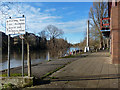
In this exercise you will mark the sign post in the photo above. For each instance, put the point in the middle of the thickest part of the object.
(22, 57)
(15, 26)
(8, 55)
(22, 37)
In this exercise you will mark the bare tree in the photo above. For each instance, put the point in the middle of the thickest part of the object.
(94, 37)
(53, 32)
(58, 48)
(98, 11)
(56, 45)
(6, 11)
(42, 34)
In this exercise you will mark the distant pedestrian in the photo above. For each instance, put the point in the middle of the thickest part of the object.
(70, 53)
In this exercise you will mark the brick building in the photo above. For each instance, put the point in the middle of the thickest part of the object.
(114, 26)
(115, 32)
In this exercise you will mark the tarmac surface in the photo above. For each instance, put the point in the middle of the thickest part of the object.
(93, 71)
(44, 67)
(90, 70)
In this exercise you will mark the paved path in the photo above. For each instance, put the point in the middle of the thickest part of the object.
(93, 71)
(42, 68)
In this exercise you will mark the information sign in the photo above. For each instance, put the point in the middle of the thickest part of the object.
(15, 26)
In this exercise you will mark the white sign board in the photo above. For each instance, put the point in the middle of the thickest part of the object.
(15, 26)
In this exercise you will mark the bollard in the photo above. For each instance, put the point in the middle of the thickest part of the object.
(48, 56)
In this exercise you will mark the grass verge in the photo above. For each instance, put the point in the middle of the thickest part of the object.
(13, 75)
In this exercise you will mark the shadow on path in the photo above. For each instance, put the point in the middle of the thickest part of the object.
(76, 78)
(41, 82)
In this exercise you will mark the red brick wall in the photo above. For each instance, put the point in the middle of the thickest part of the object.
(115, 34)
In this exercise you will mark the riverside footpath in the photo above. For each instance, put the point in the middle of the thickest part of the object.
(93, 71)
(89, 70)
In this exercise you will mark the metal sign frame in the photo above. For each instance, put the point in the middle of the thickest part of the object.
(15, 23)
(22, 44)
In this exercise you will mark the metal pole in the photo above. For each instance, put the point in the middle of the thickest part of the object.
(23, 54)
(88, 34)
(22, 57)
(8, 55)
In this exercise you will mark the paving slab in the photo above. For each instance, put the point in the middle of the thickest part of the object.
(94, 71)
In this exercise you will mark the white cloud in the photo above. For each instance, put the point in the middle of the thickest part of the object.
(37, 20)
(73, 26)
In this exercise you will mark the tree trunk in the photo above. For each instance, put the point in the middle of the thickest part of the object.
(28, 60)
(101, 42)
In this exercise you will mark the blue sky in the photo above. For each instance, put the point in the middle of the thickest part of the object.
(71, 17)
